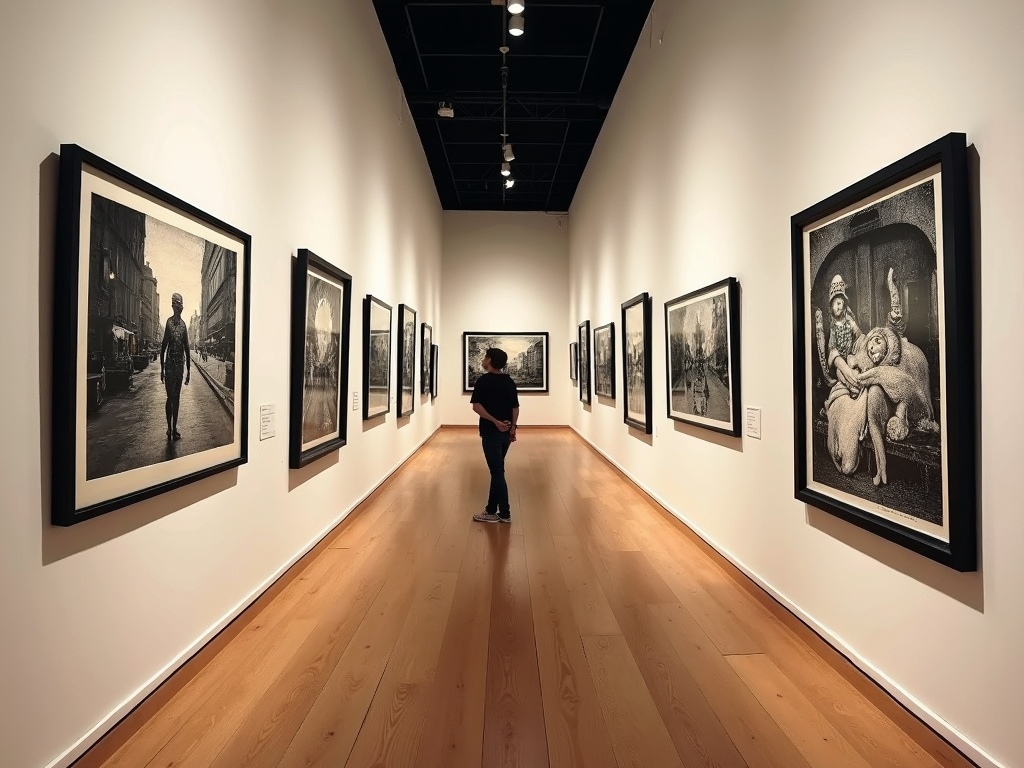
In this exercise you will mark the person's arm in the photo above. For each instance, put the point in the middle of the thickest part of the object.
(515, 419)
(188, 361)
(163, 350)
(503, 426)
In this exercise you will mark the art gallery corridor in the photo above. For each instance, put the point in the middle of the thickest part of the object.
(594, 631)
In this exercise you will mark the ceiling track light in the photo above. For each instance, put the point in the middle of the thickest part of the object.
(509, 183)
(516, 6)
(506, 169)
(445, 109)
(516, 25)
(508, 154)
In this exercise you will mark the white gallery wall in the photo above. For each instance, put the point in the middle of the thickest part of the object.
(286, 120)
(505, 271)
(732, 117)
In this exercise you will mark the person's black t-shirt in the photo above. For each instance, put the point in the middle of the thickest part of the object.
(496, 392)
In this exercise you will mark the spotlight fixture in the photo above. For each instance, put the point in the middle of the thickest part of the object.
(444, 109)
(506, 169)
(515, 26)
(509, 155)
(516, 6)
(509, 183)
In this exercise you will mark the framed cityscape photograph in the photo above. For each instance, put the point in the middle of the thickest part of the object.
(583, 344)
(604, 360)
(426, 342)
(433, 370)
(321, 325)
(884, 363)
(636, 363)
(527, 358)
(574, 360)
(150, 341)
(702, 357)
(376, 357)
(406, 360)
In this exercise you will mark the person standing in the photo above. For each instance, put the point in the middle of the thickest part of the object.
(174, 361)
(496, 401)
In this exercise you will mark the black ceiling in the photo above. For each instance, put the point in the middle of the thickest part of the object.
(562, 75)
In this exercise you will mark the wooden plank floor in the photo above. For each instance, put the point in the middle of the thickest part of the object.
(595, 631)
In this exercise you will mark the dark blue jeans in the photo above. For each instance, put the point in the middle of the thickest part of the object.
(495, 447)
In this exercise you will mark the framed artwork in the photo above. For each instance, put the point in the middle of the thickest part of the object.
(376, 357)
(604, 360)
(527, 358)
(406, 360)
(574, 360)
(149, 394)
(636, 362)
(426, 342)
(321, 323)
(433, 371)
(583, 344)
(703, 357)
(884, 363)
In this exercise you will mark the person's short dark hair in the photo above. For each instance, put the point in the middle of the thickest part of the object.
(498, 358)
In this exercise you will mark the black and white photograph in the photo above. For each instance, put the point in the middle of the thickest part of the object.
(604, 360)
(426, 342)
(636, 363)
(434, 373)
(376, 357)
(882, 297)
(702, 333)
(583, 344)
(574, 360)
(321, 311)
(150, 377)
(527, 358)
(406, 360)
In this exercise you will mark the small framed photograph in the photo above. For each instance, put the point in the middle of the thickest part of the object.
(426, 342)
(151, 341)
(376, 357)
(574, 360)
(527, 358)
(406, 360)
(321, 323)
(583, 344)
(884, 363)
(702, 357)
(636, 362)
(433, 370)
(604, 360)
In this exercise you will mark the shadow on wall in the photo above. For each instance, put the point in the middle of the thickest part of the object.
(966, 588)
(58, 542)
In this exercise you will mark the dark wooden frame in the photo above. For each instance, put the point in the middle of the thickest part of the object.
(957, 339)
(64, 510)
(574, 360)
(426, 342)
(731, 287)
(305, 262)
(404, 310)
(368, 304)
(647, 426)
(585, 383)
(610, 329)
(522, 390)
(434, 373)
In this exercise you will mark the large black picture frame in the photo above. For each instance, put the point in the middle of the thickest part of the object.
(583, 347)
(702, 357)
(574, 360)
(636, 363)
(434, 372)
(426, 342)
(527, 351)
(376, 357)
(118, 238)
(318, 423)
(406, 360)
(604, 360)
(888, 261)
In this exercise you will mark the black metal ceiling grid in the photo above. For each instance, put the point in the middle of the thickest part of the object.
(563, 73)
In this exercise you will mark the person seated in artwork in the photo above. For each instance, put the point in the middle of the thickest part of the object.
(893, 374)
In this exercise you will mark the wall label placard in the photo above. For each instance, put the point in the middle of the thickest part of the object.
(754, 423)
(268, 421)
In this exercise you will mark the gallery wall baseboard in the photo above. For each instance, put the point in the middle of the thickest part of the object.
(520, 426)
(97, 732)
(908, 700)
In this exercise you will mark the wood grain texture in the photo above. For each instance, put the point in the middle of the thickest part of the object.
(596, 632)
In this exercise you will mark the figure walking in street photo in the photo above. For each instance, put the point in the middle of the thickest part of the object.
(174, 361)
